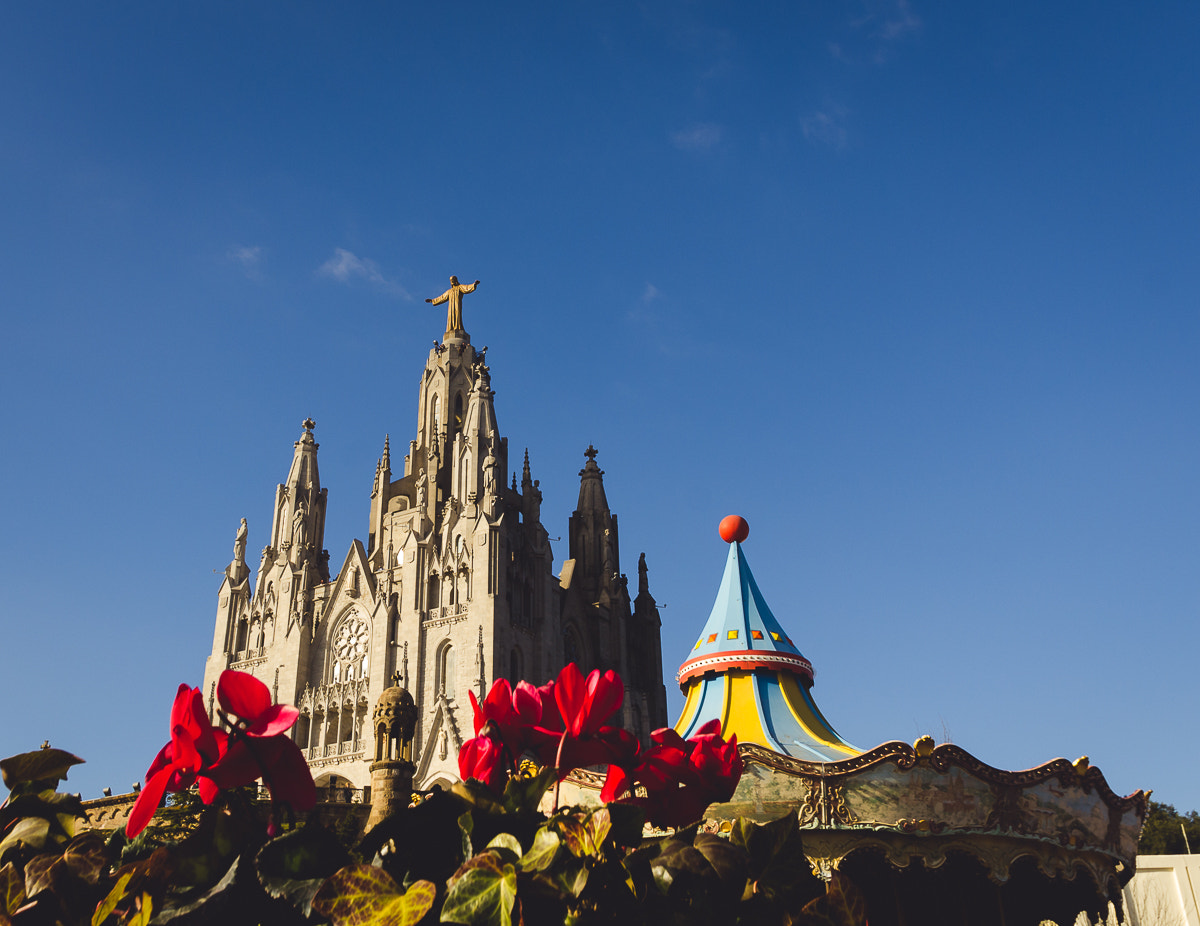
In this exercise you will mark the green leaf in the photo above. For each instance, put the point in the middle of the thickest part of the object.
(211, 905)
(46, 803)
(466, 825)
(115, 896)
(42, 873)
(362, 895)
(628, 823)
(293, 866)
(525, 794)
(145, 909)
(477, 794)
(545, 848)
(508, 845)
(574, 836)
(568, 878)
(28, 835)
(12, 889)
(483, 891)
(598, 826)
(41, 765)
(86, 858)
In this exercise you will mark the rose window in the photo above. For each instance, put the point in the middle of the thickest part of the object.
(352, 649)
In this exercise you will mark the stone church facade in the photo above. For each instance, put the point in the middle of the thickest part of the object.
(453, 588)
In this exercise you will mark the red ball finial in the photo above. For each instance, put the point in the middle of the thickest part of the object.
(734, 529)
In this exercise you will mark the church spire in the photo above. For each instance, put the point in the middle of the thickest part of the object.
(299, 524)
(593, 529)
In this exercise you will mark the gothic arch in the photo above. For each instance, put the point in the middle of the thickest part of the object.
(445, 670)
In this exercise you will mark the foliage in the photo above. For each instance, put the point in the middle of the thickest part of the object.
(1164, 829)
(481, 853)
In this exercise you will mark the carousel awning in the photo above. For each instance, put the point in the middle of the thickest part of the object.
(746, 672)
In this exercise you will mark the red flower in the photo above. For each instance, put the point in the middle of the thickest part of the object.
(585, 704)
(200, 754)
(260, 746)
(681, 777)
(242, 694)
(194, 746)
(515, 714)
(482, 758)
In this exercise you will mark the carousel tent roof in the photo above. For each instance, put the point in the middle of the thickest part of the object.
(746, 672)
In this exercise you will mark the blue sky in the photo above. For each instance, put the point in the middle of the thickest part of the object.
(911, 286)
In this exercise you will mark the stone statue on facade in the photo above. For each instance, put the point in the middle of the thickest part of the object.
(453, 296)
(239, 544)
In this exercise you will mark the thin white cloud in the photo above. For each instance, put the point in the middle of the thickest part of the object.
(649, 294)
(898, 22)
(248, 258)
(699, 137)
(346, 266)
(825, 127)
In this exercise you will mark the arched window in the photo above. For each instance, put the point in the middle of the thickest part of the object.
(514, 666)
(435, 587)
(435, 420)
(243, 633)
(445, 671)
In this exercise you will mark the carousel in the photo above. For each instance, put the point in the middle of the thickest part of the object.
(928, 833)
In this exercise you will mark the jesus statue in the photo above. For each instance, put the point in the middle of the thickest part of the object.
(454, 297)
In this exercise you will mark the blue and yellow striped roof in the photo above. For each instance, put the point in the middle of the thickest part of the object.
(746, 672)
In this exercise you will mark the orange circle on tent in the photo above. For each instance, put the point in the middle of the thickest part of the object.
(734, 529)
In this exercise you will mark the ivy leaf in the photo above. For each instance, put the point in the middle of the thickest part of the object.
(210, 905)
(483, 891)
(728, 861)
(525, 794)
(477, 794)
(12, 889)
(85, 857)
(598, 826)
(508, 846)
(363, 895)
(544, 850)
(115, 896)
(29, 834)
(628, 822)
(42, 872)
(46, 803)
(574, 836)
(42, 765)
(568, 879)
(293, 866)
(466, 824)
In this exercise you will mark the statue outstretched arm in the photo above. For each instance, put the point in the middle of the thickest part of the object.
(440, 299)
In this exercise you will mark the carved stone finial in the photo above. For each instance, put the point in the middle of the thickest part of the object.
(591, 452)
(397, 679)
(309, 424)
(45, 744)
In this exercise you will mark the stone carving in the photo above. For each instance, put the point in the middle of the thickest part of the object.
(239, 544)
(453, 296)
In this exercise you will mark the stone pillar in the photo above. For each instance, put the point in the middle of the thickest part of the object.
(391, 789)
